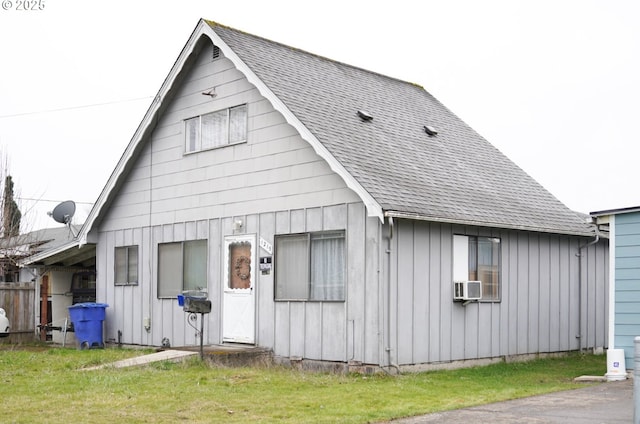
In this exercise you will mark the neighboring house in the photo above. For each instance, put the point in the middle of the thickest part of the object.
(32, 295)
(60, 280)
(327, 211)
(623, 228)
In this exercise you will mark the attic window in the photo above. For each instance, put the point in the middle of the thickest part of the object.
(216, 129)
(216, 52)
(365, 116)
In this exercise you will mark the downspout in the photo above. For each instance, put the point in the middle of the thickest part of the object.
(612, 284)
(579, 255)
(388, 252)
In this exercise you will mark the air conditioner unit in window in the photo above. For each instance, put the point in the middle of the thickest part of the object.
(467, 290)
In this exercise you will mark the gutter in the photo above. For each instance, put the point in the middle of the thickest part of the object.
(388, 349)
(420, 217)
(48, 253)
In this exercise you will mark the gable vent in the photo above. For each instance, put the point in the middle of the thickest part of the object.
(365, 116)
(216, 52)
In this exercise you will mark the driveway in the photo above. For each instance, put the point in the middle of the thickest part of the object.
(610, 402)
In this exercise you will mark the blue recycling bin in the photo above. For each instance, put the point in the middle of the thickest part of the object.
(87, 323)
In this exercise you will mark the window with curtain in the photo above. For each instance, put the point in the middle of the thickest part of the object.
(477, 258)
(216, 129)
(310, 266)
(126, 266)
(181, 266)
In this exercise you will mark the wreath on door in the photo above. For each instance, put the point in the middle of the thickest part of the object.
(243, 267)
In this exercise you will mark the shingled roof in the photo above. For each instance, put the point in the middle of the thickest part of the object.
(455, 176)
(390, 161)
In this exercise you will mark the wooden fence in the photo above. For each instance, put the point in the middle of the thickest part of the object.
(18, 301)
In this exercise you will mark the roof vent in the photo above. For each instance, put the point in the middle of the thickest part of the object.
(216, 51)
(430, 130)
(365, 116)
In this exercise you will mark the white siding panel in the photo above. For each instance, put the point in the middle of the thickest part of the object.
(405, 282)
(472, 327)
(574, 304)
(282, 329)
(456, 309)
(523, 286)
(298, 221)
(446, 279)
(554, 294)
(373, 248)
(421, 321)
(565, 295)
(282, 222)
(265, 289)
(509, 297)
(496, 335)
(104, 288)
(333, 331)
(437, 296)
(313, 334)
(533, 319)
(352, 218)
(165, 130)
(297, 328)
(215, 235)
(314, 219)
(337, 218)
(544, 301)
(147, 288)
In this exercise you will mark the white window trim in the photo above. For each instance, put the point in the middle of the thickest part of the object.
(182, 280)
(115, 273)
(198, 148)
(460, 264)
(309, 238)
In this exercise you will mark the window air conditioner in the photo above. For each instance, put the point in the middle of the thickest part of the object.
(467, 290)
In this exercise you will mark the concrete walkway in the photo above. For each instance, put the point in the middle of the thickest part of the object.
(165, 355)
(227, 355)
(601, 403)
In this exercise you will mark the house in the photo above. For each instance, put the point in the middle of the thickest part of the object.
(36, 296)
(326, 211)
(623, 229)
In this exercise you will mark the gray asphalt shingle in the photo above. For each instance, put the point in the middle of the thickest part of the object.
(456, 176)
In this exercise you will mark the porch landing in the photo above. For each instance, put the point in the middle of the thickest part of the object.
(232, 355)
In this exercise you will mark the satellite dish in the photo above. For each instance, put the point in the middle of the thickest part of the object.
(63, 212)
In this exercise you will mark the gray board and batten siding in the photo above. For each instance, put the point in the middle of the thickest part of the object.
(542, 308)
(275, 183)
(275, 170)
(398, 307)
(539, 311)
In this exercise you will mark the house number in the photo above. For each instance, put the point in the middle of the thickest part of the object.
(266, 246)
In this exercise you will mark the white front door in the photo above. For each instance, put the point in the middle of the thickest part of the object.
(238, 308)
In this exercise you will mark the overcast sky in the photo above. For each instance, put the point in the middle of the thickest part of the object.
(555, 85)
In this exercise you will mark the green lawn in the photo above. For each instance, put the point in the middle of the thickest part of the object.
(45, 385)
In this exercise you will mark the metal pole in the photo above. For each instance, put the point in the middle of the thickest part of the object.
(201, 331)
(636, 381)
